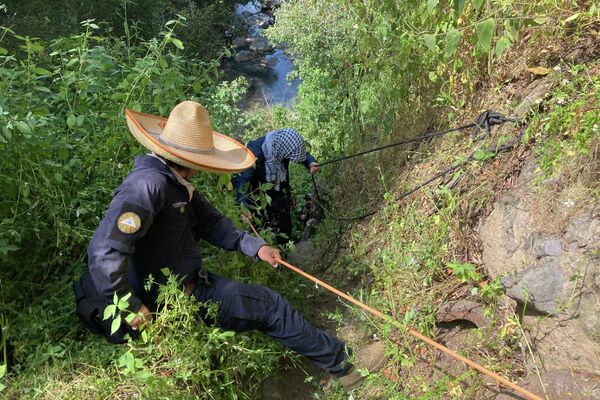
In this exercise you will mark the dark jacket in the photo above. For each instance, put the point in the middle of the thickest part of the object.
(149, 218)
(256, 175)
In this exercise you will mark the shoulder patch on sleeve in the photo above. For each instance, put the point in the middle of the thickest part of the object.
(129, 222)
(132, 221)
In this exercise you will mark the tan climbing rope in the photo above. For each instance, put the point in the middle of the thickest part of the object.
(411, 331)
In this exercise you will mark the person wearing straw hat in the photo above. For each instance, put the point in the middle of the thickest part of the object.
(156, 219)
(273, 153)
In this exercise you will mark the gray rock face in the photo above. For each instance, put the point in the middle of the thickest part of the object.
(538, 286)
(552, 268)
(556, 274)
(548, 247)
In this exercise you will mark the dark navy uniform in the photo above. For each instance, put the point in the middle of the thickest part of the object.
(152, 223)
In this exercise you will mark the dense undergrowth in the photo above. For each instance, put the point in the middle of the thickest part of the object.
(372, 72)
(66, 147)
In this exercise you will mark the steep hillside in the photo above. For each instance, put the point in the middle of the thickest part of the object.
(497, 259)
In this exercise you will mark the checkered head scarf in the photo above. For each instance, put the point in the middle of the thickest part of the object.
(279, 145)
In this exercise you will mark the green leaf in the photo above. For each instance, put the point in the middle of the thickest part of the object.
(479, 4)
(459, 6)
(485, 33)
(116, 324)
(430, 41)
(226, 334)
(41, 71)
(571, 19)
(109, 311)
(71, 121)
(144, 336)
(3, 51)
(42, 89)
(178, 43)
(2, 370)
(512, 26)
(143, 375)
(163, 63)
(482, 155)
(453, 37)
(80, 120)
(115, 298)
(23, 127)
(58, 177)
(501, 45)
(431, 4)
(197, 86)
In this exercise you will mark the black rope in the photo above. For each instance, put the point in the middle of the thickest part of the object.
(416, 139)
(483, 123)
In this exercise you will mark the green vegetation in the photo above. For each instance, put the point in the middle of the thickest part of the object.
(136, 20)
(65, 148)
(372, 72)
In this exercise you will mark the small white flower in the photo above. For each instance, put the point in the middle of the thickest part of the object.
(595, 128)
(569, 203)
(560, 100)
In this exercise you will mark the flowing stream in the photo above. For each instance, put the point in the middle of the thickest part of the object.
(266, 67)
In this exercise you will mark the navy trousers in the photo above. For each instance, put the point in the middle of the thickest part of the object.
(244, 307)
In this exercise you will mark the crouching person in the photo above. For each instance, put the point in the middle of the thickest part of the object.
(155, 221)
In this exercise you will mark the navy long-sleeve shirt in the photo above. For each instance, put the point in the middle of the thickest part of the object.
(150, 218)
(257, 172)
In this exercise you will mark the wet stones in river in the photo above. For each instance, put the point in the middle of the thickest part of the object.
(244, 56)
(260, 44)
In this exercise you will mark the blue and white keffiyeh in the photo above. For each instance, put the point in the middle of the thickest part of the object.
(282, 144)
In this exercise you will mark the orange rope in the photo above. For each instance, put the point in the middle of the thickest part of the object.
(414, 333)
(411, 331)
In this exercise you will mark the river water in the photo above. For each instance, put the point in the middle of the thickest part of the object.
(266, 69)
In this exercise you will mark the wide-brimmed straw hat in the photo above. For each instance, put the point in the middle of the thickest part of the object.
(187, 138)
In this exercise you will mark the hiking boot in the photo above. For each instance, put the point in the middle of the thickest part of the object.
(372, 358)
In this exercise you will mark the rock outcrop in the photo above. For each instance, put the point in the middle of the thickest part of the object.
(552, 273)
(550, 267)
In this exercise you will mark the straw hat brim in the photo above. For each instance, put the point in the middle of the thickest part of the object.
(228, 156)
